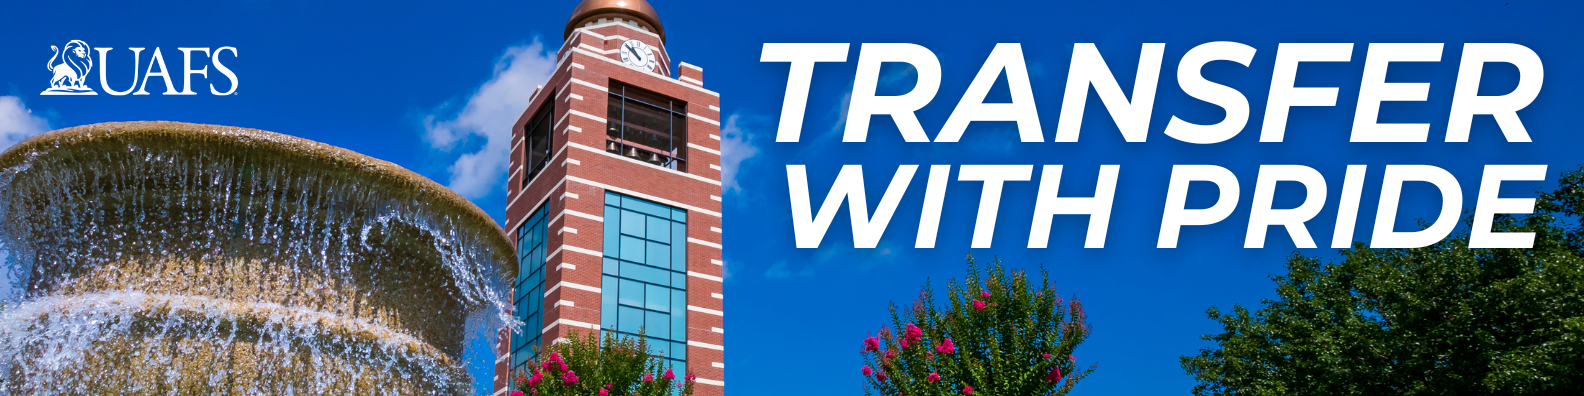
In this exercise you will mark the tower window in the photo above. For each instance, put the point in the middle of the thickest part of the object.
(537, 148)
(644, 289)
(646, 126)
(531, 237)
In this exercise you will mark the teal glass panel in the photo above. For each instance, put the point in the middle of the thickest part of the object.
(679, 215)
(645, 273)
(631, 293)
(645, 206)
(631, 320)
(658, 325)
(679, 280)
(608, 303)
(679, 353)
(612, 228)
(679, 247)
(632, 223)
(659, 255)
(658, 298)
(659, 230)
(612, 267)
(632, 249)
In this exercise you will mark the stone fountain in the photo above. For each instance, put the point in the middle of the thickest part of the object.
(181, 259)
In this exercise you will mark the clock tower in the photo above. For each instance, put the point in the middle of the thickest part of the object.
(614, 199)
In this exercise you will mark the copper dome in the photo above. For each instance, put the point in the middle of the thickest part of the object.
(592, 10)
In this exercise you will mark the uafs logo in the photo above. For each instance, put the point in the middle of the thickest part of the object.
(70, 66)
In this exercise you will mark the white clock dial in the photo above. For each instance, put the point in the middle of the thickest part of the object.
(638, 55)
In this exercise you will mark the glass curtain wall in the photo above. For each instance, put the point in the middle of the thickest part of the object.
(530, 286)
(645, 275)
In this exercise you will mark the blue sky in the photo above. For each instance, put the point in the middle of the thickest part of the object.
(433, 87)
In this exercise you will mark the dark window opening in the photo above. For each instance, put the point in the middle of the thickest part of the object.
(537, 147)
(646, 126)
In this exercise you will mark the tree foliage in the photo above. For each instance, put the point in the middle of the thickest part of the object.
(583, 365)
(997, 334)
(1444, 319)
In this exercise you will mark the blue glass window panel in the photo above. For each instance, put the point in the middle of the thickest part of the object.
(631, 319)
(612, 198)
(519, 357)
(679, 280)
(679, 351)
(658, 325)
(631, 293)
(658, 298)
(612, 227)
(679, 215)
(659, 230)
(632, 249)
(632, 223)
(678, 301)
(659, 255)
(645, 206)
(608, 304)
(681, 367)
(678, 249)
(612, 267)
(644, 273)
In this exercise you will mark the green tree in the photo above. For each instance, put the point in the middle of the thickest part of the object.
(583, 365)
(997, 335)
(1444, 319)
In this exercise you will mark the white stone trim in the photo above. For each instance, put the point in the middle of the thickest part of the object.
(574, 96)
(567, 230)
(568, 303)
(571, 285)
(716, 167)
(718, 296)
(714, 136)
(569, 322)
(718, 365)
(702, 275)
(585, 115)
(718, 330)
(691, 80)
(714, 261)
(712, 107)
(570, 128)
(568, 194)
(566, 266)
(704, 149)
(717, 231)
(702, 118)
(602, 152)
(690, 66)
(570, 161)
(642, 195)
(704, 345)
(577, 65)
(717, 198)
(575, 213)
(707, 381)
(704, 242)
(589, 84)
(576, 249)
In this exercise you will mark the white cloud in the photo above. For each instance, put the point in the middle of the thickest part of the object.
(736, 146)
(489, 113)
(17, 123)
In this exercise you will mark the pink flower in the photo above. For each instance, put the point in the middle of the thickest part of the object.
(967, 390)
(547, 365)
(1047, 356)
(978, 305)
(569, 378)
(871, 344)
(690, 377)
(866, 371)
(648, 377)
(946, 347)
(515, 393)
(522, 380)
(1054, 375)
(890, 355)
(604, 392)
(668, 376)
(880, 376)
(903, 342)
(537, 377)
(1072, 358)
(984, 295)
(932, 377)
(913, 333)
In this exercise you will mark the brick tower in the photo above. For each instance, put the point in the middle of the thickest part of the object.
(614, 198)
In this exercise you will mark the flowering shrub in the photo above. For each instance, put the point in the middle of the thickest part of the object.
(997, 335)
(585, 366)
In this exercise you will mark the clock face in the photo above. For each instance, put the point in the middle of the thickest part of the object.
(638, 55)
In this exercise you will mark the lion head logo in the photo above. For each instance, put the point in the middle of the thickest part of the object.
(70, 68)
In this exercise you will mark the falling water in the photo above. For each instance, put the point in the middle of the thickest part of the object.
(167, 258)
